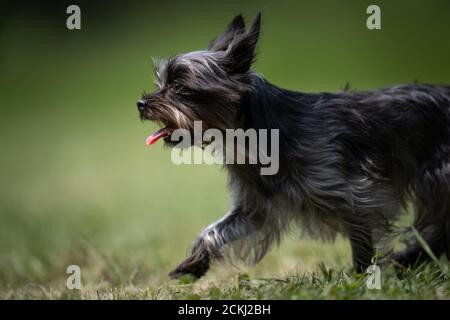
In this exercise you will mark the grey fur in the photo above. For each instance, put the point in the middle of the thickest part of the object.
(350, 161)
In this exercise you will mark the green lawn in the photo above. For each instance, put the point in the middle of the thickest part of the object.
(79, 186)
(127, 218)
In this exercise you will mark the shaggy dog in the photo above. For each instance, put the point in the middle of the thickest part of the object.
(348, 161)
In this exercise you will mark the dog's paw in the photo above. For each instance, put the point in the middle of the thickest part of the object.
(193, 265)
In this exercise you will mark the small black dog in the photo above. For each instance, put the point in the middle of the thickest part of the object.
(349, 161)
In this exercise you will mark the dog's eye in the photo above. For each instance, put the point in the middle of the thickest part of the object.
(178, 88)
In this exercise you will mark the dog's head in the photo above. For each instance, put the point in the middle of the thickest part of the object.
(207, 85)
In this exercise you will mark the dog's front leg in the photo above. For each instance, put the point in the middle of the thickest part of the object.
(362, 248)
(208, 245)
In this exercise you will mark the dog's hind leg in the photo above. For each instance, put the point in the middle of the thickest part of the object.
(434, 233)
(432, 219)
(233, 226)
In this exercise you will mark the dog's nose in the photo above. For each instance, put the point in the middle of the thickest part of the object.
(141, 104)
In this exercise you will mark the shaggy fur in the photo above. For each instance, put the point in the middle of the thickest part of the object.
(349, 161)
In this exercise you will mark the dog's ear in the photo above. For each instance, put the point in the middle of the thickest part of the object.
(240, 53)
(222, 42)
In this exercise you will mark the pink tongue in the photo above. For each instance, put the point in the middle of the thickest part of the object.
(155, 136)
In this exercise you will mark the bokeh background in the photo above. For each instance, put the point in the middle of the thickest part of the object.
(77, 183)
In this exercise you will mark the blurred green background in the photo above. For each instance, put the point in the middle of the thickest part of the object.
(77, 183)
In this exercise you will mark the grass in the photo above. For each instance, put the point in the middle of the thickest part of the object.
(78, 186)
(424, 282)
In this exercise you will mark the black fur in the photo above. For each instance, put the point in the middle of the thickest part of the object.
(349, 161)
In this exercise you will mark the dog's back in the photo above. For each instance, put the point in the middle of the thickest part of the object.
(353, 159)
(399, 137)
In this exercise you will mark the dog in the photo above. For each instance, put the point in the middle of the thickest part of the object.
(350, 161)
